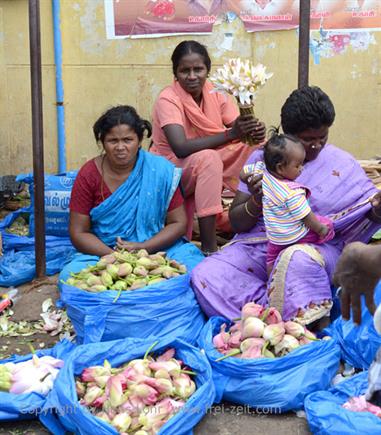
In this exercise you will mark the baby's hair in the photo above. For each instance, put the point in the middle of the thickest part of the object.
(275, 148)
(119, 115)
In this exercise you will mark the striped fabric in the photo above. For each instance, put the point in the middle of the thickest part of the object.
(284, 206)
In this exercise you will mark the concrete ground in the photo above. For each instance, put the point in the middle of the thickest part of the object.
(222, 419)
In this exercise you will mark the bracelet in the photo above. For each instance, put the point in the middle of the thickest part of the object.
(250, 213)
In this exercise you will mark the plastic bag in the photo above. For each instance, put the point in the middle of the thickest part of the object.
(78, 419)
(165, 308)
(277, 385)
(326, 415)
(57, 198)
(359, 344)
(26, 406)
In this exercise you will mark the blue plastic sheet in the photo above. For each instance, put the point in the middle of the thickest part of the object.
(277, 385)
(26, 406)
(359, 344)
(161, 309)
(326, 416)
(78, 419)
(18, 264)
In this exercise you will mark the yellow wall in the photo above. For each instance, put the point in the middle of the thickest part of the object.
(99, 73)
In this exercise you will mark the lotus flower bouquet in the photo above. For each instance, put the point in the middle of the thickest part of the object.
(124, 270)
(140, 396)
(261, 333)
(34, 375)
(241, 79)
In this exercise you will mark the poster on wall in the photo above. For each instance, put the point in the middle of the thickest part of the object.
(153, 18)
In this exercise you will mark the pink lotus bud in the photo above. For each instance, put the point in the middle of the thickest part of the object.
(235, 339)
(101, 381)
(252, 327)
(155, 416)
(310, 335)
(236, 327)
(113, 270)
(172, 366)
(274, 333)
(141, 366)
(80, 388)
(134, 406)
(251, 342)
(251, 309)
(114, 390)
(288, 344)
(294, 329)
(121, 421)
(92, 393)
(252, 352)
(304, 340)
(167, 355)
(99, 401)
(145, 392)
(273, 316)
(124, 269)
(162, 374)
(219, 342)
(161, 385)
(184, 386)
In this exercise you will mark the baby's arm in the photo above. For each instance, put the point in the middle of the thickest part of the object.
(311, 222)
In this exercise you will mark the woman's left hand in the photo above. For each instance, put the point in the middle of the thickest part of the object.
(259, 133)
(376, 200)
(129, 246)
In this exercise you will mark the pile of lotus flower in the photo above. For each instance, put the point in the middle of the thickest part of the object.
(124, 270)
(138, 397)
(34, 375)
(261, 333)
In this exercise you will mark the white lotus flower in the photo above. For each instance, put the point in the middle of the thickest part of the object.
(241, 79)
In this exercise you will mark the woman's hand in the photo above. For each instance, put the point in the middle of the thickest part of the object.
(376, 200)
(357, 273)
(247, 125)
(129, 246)
(254, 185)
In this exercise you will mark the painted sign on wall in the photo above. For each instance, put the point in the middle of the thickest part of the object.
(148, 18)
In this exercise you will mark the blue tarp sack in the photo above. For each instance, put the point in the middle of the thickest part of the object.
(326, 416)
(276, 385)
(165, 308)
(27, 406)
(358, 343)
(57, 198)
(79, 420)
(18, 264)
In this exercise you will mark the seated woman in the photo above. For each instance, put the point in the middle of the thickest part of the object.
(126, 197)
(300, 283)
(195, 128)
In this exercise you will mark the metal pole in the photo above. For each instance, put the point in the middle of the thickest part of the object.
(304, 42)
(37, 133)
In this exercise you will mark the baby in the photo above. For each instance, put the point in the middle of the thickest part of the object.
(287, 214)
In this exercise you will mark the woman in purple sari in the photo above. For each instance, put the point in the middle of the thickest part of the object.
(300, 283)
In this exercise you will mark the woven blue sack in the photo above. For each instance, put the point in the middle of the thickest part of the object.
(326, 416)
(30, 405)
(78, 419)
(57, 198)
(161, 309)
(275, 385)
(358, 343)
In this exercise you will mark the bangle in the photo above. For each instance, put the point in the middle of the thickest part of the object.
(250, 213)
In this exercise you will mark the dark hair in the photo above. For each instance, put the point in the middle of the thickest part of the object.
(307, 107)
(274, 151)
(188, 47)
(121, 115)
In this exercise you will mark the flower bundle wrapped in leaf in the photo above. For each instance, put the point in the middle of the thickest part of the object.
(242, 80)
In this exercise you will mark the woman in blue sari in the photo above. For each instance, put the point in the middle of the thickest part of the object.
(129, 198)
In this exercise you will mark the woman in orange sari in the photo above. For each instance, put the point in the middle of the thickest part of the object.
(200, 131)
